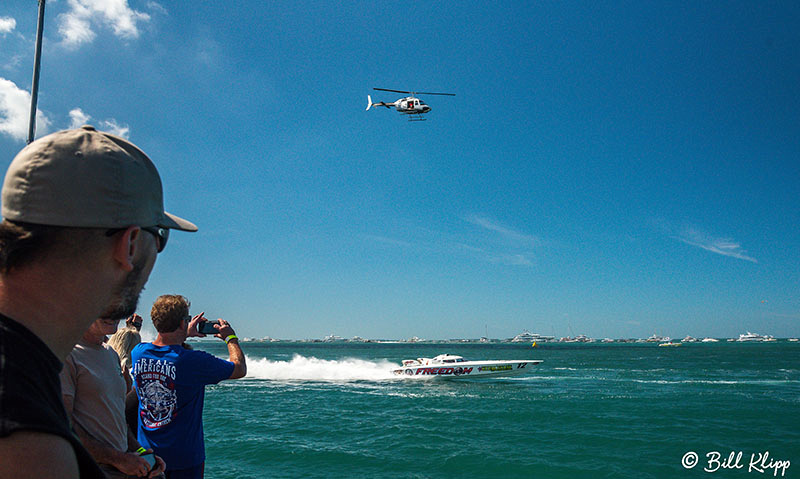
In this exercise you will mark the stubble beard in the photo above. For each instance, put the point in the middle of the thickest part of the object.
(127, 297)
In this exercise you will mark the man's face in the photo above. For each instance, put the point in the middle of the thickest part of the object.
(126, 299)
(103, 327)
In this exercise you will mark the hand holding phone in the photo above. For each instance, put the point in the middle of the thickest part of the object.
(150, 458)
(207, 327)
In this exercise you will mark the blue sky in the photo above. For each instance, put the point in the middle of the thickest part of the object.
(610, 170)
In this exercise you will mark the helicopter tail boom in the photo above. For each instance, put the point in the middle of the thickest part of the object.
(380, 103)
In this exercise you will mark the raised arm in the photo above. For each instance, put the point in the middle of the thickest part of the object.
(235, 354)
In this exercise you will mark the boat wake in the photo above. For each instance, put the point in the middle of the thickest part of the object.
(301, 368)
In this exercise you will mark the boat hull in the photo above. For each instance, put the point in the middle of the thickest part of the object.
(468, 369)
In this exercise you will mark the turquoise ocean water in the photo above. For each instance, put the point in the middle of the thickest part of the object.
(332, 410)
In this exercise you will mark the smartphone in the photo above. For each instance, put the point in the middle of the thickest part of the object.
(150, 458)
(207, 327)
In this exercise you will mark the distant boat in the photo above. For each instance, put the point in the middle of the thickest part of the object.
(689, 339)
(657, 339)
(332, 338)
(753, 337)
(581, 338)
(670, 344)
(528, 337)
(709, 340)
(792, 340)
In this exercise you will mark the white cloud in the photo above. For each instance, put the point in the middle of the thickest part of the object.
(723, 246)
(75, 29)
(111, 126)
(505, 245)
(13, 62)
(505, 232)
(208, 52)
(15, 106)
(502, 246)
(7, 25)
(78, 118)
(157, 8)
(76, 25)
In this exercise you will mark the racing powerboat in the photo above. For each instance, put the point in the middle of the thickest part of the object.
(451, 366)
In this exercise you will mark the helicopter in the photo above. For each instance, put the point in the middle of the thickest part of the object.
(410, 105)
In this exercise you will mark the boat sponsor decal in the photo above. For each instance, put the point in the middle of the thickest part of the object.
(501, 367)
(443, 371)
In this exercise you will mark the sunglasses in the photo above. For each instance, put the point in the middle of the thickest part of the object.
(161, 234)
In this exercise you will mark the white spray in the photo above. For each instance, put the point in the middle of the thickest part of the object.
(314, 369)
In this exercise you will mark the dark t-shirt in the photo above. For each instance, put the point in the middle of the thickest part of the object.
(30, 391)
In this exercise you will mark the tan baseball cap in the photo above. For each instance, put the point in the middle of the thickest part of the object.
(86, 178)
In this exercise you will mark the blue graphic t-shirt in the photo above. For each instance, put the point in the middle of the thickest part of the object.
(170, 382)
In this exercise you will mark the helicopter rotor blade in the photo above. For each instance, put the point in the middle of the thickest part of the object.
(415, 92)
(395, 91)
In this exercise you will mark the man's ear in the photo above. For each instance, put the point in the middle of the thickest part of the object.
(125, 246)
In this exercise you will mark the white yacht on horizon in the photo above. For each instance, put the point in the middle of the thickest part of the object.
(332, 338)
(754, 337)
(528, 337)
(581, 338)
(657, 339)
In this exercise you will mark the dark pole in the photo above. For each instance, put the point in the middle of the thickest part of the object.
(36, 62)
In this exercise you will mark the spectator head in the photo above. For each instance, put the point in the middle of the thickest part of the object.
(170, 313)
(71, 195)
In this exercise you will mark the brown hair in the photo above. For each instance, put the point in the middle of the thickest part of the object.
(22, 242)
(168, 311)
(123, 342)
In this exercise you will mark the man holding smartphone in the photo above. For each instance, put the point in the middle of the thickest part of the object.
(170, 383)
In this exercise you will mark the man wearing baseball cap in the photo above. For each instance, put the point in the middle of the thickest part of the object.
(83, 221)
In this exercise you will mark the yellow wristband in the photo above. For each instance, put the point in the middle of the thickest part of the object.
(141, 451)
(232, 336)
